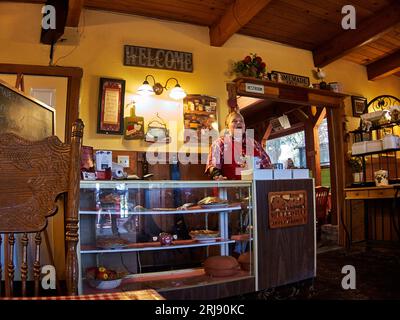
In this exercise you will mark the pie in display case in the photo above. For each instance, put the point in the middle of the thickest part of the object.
(167, 235)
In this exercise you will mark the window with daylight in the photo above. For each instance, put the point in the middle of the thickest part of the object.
(293, 146)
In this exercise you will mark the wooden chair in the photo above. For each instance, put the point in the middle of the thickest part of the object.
(321, 205)
(32, 176)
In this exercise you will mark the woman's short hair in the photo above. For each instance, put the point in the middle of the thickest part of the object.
(231, 115)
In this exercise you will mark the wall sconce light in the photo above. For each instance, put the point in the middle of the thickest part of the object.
(157, 88)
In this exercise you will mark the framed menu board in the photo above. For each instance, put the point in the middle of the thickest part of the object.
(200, 118)
(111, 104)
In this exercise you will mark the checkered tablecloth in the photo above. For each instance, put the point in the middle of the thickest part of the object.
(128, 295)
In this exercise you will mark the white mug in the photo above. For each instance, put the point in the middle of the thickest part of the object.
(381, 178)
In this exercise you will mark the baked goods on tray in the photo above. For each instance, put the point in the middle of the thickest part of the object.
(204, 235)
(111, 242)
(210, 202)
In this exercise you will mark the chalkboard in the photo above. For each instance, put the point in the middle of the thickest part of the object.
(23, 115)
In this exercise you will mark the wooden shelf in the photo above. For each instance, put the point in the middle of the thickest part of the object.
(170, 280)
(378, 127)
(196, 209)
(375, 152)
(203, 113)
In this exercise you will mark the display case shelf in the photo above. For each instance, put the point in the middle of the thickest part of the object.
(171, 280)
(229, 208)
(155, 246)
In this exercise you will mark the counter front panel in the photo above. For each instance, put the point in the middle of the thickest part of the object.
(286, 254)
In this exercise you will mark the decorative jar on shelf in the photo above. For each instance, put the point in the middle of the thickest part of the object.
(381, 178)
(358, 177)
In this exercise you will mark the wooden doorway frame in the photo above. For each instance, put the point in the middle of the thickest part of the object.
(74, 76)
(334, 104)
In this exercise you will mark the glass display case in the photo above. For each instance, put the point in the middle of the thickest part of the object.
(165, 235)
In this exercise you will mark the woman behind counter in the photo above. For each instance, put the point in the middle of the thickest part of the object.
(227, 154)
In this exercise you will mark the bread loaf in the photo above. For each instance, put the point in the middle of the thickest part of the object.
(221, 266)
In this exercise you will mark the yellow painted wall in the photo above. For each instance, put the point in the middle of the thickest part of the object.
(100, 54)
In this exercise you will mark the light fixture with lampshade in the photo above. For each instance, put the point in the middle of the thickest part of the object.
(157, 88)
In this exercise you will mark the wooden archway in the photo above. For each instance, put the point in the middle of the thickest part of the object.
(332, 102)
(73, 75)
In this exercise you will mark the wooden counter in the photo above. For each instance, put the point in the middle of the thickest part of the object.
(287, 254)
(383, 192)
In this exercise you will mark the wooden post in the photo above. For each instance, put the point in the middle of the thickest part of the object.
(232, 96)
(266, 134)
(71, 215)
(337, 164)
(19, 83)
(312, 150)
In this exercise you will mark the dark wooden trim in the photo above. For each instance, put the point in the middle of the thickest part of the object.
(337, 147)
(238, 14)
(73, 94)
(72, 208)
(74, 76)
(312, 151)
(368, 30)
(319, 116)
(37, 70)
(74, 13)
(285, 132)
(267, 133)
(289, 93)
(301, 115)
(212, 292)
(232, 96)
(384, 67)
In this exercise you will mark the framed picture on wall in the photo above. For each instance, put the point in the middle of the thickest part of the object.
(359, 105)
(111, 106)
(200, 118)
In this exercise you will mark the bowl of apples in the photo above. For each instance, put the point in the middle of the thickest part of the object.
(103, 279)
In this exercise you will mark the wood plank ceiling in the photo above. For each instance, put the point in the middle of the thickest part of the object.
(307, 24)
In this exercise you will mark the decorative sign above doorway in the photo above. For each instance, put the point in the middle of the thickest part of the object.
(287, 208)
(158, 58)
(289, 78)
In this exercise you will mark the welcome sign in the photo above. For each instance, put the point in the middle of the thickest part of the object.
(158, 58)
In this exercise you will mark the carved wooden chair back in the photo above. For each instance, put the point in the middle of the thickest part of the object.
(321, 202)
(32, 176)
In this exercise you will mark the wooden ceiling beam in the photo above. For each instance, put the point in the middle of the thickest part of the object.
(368, 30)
(74, 13)
(267, 133)
(238, 14)
(285, 132)
(384, 67)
